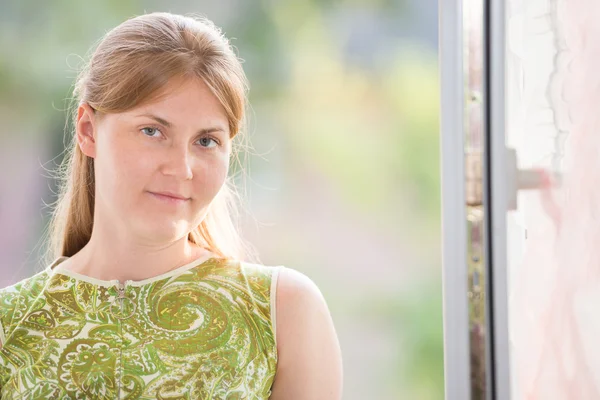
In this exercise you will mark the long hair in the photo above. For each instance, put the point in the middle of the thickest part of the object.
(129, 66)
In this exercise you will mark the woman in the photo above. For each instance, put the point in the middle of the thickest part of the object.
(147, 295)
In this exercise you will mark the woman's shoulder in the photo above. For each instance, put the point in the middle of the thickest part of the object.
(17, 296)
(298, 293)
(297, 283)
(255, 274)
(294, 285)
(307, 343)
(256, 268)
(25, 285)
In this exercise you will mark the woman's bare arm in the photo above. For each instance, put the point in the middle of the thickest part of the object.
(310, 361)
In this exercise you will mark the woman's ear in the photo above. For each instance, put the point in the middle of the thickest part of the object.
(85, 130)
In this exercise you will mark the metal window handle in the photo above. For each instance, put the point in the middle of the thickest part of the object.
(517, 179)
(524, 179)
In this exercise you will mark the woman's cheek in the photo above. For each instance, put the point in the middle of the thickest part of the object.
(218, 174)
(208, 182)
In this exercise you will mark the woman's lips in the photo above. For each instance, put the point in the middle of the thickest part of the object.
(169, 199)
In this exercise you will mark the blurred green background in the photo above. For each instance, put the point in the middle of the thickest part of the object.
(344, 181)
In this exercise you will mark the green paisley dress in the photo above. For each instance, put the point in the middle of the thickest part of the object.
(205, 330)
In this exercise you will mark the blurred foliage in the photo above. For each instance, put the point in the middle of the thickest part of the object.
(418, 323)
(382, 124)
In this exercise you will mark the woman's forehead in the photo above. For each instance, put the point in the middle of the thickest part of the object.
(191, 101)
(185, 91)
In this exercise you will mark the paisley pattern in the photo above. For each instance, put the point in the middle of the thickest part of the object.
(203, 331)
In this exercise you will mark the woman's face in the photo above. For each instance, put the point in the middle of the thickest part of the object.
(178, 145)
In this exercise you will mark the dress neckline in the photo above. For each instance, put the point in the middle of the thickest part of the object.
(55, 269)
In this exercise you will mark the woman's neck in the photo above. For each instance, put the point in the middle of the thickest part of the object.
(127, 261)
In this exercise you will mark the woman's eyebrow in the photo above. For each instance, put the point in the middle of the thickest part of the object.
(157, 119)
(166, 123)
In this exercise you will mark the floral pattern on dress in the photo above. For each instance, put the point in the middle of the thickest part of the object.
(204, 333)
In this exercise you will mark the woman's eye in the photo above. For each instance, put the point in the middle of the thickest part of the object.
(148, 131)
(206, 140)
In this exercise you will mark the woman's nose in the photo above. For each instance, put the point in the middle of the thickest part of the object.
(178, 163)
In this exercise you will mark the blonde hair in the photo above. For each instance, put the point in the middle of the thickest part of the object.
(130, 65)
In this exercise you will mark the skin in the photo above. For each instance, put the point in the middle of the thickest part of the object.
(137, 236)
(309, 365)
(134, 154)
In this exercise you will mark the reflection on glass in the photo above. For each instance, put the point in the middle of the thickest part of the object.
(531, 132)
(554, 256)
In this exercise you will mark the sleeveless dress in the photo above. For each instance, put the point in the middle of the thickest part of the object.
(205, 330)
